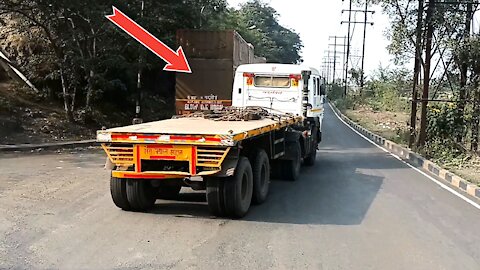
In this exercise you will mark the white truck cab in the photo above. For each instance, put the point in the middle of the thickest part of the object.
(284, 88)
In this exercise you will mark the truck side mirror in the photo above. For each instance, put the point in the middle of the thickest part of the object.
(323, 90)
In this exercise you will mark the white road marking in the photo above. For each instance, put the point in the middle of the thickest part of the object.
(444, 186)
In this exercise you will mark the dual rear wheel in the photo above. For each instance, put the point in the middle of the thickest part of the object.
(139, 194)
(232, 196)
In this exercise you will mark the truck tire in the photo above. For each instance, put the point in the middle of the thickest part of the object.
(238, 190)
(215, 201)
(118, 190)
(291, 168)
(312, 157)
(140, 194)
(276, 169)
(261, 177)
(168, 192)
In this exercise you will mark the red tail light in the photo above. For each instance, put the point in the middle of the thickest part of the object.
(249, 77)
(296, 77)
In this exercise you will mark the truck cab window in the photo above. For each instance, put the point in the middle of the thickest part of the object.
(274, 82)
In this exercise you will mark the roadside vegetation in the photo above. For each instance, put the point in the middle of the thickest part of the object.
(430, 99)
(89, 73)
(383, 107)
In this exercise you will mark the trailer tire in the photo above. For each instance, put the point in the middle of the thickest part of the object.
(215, 201)
(238, 190)
(291, 168)
(311, 158)
(141, 194)
(261, 177)
(118, 190)
(168, 192)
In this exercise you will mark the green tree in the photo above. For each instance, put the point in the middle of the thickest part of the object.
(74, 54)
(258, 24)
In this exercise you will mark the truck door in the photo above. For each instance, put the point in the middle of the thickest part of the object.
(239, 89)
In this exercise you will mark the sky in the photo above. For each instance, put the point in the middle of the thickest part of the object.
(316, 21)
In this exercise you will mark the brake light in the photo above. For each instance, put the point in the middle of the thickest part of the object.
(295, 79)
(249, 77)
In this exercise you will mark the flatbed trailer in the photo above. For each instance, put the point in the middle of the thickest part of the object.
(230, 157)
(273, 127)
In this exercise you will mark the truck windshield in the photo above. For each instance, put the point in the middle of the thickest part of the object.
(270, 81)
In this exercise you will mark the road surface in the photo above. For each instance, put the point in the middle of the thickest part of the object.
(358, 208)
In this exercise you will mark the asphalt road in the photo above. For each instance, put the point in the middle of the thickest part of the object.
(358, 208)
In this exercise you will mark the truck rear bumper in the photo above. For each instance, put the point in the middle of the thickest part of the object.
(156, 161)
(158, 175)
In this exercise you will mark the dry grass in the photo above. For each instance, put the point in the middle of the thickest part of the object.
(394, 126)
(390, 125)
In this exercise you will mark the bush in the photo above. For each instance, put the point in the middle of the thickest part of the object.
(345, 103)
(384, 96)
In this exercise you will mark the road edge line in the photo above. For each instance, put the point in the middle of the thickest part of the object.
(412, 159)
(50, 146)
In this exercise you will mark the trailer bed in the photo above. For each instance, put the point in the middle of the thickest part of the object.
(196, 126)
(195, 131)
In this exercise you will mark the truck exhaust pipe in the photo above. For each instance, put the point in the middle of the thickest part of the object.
(306, 77)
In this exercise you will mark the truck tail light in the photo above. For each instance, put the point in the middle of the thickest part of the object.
(295, 79)
(249, 77)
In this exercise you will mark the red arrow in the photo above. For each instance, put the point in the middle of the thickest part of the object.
(176, 60)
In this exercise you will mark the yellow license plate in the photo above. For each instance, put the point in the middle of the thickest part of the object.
(165, 152)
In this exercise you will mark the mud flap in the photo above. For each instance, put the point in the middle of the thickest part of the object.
(228, 167)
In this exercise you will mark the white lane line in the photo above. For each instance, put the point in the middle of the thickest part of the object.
(451, 190)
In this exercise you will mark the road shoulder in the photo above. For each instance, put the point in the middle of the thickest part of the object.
(49, 146)
(413, 158)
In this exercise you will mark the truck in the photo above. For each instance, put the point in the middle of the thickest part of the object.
(273, 126)
(213, 56)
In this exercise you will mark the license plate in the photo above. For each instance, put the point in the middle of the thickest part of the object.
(165, 152)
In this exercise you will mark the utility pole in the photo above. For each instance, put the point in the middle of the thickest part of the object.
(138, 113)
(416, 73)
(327, 62)
(328, 67)
(348, 47)
(350, 10)
(335, 45)
(364, 39)
(334, 60)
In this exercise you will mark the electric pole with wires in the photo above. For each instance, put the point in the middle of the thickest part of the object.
(364, 22)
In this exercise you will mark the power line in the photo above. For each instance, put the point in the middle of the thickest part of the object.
(364, 22)
(348, 46)
(335, 53)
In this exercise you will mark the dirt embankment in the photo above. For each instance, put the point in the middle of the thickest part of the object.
(24, 120)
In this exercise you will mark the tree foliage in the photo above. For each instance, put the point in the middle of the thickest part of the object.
(77, 56)
(453, 66)
(257, 23)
